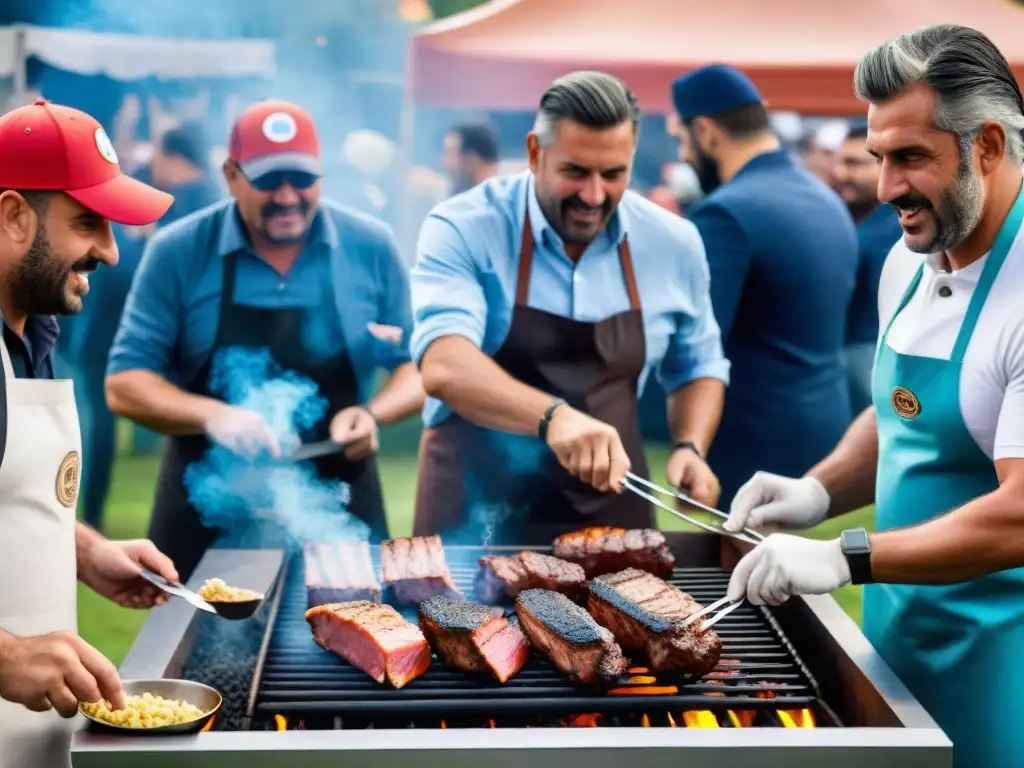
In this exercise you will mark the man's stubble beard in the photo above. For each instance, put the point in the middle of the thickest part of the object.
(39, 283)
(959, 211)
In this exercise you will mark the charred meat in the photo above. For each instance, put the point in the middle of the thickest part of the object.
(416, 569)
(505, 576)
(473, 638)
(645, 614)
(609, 550)
(341, 572)
(569, 637)
(371, 637)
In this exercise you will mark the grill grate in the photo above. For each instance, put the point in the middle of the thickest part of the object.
(759, 669)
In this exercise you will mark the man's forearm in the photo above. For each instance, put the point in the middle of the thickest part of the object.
(456, 372)
(86, 540)
(148, 399)
(694, 412)
(400, 397)
(848, 473)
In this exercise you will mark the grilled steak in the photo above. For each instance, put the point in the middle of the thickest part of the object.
(473, 638)
(340, 573)
(502, 576)
(645, 614)
(608, 550)
(371, 637)
(415, 569)
(569, 637)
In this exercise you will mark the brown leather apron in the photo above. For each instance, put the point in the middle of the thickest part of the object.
(477, 485)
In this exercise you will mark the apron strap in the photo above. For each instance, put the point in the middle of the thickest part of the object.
(996, 258)
(526, 263)
(906, 298)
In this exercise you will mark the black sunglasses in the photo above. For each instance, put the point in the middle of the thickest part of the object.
(273, 180)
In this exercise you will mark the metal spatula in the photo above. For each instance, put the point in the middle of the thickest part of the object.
(176, 589)
(312, 451)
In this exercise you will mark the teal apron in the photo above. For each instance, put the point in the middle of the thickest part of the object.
(959, 648)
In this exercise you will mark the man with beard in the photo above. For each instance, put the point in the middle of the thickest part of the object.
(542, 302)
(878, 228)
(941, 453)
(782, 251)
(470, 155)
(60, 187)
(273, 268)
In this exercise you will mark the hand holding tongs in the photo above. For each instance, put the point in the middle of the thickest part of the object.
(746, 534)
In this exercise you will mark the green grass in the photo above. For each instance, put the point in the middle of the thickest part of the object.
(112, 629)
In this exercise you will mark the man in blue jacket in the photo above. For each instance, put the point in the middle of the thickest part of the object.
(782, 251)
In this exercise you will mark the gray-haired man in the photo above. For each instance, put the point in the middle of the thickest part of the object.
(542, 302)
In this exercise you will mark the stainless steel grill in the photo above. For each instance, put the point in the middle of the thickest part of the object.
(289, 703)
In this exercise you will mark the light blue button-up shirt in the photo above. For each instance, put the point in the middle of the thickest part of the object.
(464, 279)
(171, 315)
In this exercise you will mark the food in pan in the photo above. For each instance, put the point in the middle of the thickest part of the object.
(341, 572)
(569, 637)
(371, 637)
(505, 576)
(216, 591)
(415, 569)
(609, 550)
(474, 638)
(645, 614)
(145, 711)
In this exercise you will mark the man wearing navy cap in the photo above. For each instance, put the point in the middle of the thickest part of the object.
(782, 250)
(277, 270)
(60, 188)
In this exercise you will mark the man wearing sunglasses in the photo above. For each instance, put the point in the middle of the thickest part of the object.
(273, 268)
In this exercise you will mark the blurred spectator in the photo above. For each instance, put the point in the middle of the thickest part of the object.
(179, 166)
(470, 155)
(878, 229)
(819, 150)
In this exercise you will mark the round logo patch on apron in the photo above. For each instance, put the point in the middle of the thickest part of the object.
(67, 479)
(905, 403)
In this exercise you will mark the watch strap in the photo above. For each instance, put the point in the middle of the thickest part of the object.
(545, 420)
(687, 446)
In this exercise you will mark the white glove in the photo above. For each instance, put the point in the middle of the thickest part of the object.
(782, 566)
(772, 499)
(242, 431)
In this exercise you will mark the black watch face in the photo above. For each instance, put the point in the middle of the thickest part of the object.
(855, 540)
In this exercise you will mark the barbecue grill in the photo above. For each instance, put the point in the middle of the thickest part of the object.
(798, 685)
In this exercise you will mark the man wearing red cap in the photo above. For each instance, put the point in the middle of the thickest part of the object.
(60, 187)
(273, 268)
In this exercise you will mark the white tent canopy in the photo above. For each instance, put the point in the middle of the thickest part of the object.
(131, 57)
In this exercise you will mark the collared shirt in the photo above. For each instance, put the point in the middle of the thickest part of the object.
(876, 236)
(171, 315)
(32, 354)
(465, 276)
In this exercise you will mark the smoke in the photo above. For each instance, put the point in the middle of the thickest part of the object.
(261, 503)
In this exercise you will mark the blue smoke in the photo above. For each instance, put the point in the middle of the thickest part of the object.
(258, 503)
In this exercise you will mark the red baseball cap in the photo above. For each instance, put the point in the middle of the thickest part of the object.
(273, 136)
(59, 149)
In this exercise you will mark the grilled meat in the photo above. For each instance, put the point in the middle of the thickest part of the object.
(415, 569)
(473, 638)
(505, 576)
(371, 637)
(569, 637)
(645, 614)
(609, 550)
(340, 573)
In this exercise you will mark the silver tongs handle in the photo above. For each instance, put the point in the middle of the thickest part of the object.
(708, 623)
(746, 534)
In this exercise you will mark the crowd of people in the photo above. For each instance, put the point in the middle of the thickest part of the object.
(825, 338)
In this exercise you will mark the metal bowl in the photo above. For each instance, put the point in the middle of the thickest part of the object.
(236, 609)
(198, 695)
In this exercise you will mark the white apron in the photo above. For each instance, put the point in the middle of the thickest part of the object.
(39, 479)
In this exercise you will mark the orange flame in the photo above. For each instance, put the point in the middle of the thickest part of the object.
(671, 721)
(638, 670)
(209, 724)
(642, 679)
(797, 718)
(444, 724)
(281, 722)
(645, 721)
(700, 719)
(743, 718)
(589, 720)
(654, 690)
(491, 723)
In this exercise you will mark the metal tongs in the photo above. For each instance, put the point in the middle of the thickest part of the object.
(176, 589)
(745, 534)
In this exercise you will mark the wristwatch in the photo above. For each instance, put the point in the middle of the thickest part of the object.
(687, 445)
(545, 420)
(856, 546)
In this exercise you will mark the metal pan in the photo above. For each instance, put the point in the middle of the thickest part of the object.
(204, 697)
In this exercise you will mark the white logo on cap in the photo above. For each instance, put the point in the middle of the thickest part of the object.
(105, 147)
(280, 128)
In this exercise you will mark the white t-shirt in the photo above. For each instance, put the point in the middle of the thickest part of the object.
(992, 381)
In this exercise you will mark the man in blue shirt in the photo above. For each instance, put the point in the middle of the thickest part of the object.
(274, 269)
(782, 251)
(878, 230)
(542, 302)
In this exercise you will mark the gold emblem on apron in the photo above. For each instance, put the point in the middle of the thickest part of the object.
(905, 403)
(67, 479)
